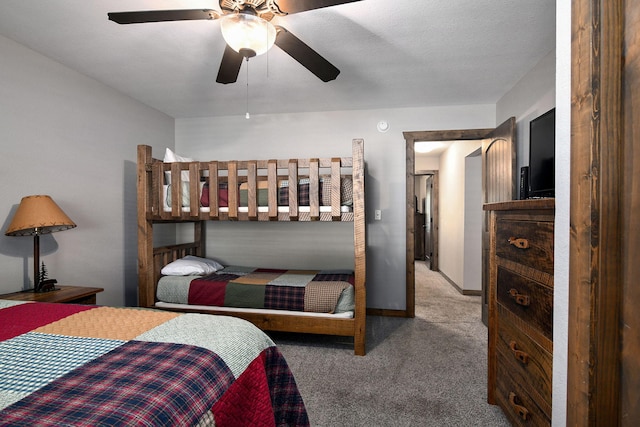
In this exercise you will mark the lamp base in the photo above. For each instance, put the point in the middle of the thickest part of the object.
(47, 285)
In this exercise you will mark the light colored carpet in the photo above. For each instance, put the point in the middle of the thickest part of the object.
(426, 371)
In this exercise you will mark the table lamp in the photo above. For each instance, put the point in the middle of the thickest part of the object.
(38, 215)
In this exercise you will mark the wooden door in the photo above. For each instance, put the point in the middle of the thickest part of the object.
(429, 222)
(498, 185)
(419, 225)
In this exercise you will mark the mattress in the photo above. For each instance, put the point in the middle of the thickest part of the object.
(232, 310)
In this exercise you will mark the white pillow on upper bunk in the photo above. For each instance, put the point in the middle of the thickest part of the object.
(171, 157)
(191, 265)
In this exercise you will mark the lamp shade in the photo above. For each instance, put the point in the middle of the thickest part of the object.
(247, 32)
(38, 215)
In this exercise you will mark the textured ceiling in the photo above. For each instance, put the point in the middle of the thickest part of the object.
(391, 53)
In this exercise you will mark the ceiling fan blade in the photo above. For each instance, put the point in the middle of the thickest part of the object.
(306, 56)
(295, 6)
(229, 66)
(162, 15)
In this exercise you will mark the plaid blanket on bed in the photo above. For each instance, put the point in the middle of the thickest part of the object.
(247, 287)
(89, 375)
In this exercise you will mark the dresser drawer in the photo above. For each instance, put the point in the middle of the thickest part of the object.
(529, 363)
(518, 405)
(528, 243)
(528, 299)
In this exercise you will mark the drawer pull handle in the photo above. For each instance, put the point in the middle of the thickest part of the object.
(519, 354)
(521, 410)
(520, 299)
(519, 243)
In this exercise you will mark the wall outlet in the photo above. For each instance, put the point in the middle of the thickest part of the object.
(378, 215)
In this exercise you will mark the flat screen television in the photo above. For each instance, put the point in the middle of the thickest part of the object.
(542, 150)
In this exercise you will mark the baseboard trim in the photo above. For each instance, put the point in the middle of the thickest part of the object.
(467, 292)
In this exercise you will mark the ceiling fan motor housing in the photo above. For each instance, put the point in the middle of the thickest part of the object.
(247, 53)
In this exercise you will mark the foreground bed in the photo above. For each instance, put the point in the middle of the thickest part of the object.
(330, 189)
(75, 365)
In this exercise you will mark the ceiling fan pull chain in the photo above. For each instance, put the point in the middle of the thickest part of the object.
(247, 115)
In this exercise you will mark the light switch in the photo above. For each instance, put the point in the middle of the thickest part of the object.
(378, 215)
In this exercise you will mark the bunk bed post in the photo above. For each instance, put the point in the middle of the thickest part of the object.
(359, 245)
(314, 189)
(336, 185)
(233, 197)
(176, 190)
(194, 190)
(252, 189)
(213, 190)
(293, 189)
(198, 238)
(146, 287)
(272, 177)
(155, 189)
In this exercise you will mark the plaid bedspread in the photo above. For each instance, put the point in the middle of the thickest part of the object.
(74, 365)
(249, 287)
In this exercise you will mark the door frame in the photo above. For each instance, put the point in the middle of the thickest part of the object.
(598, 168)
(411, 138)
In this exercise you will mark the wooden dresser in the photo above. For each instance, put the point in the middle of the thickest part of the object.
(521, 309)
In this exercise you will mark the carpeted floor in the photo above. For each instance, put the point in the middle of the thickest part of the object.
(426, 371)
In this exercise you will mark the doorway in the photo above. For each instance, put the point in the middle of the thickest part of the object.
(411, 138)
(498, 183)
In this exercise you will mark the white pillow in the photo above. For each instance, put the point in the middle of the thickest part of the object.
(171, 157)
(186, 196)
(190, 265)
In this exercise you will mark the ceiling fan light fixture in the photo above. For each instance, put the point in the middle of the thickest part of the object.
(247, 33)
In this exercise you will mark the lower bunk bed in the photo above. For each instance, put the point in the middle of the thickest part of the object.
(84, 365)
(324, 301)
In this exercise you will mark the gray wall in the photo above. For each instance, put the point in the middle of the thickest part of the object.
(70, 137)
(326, 134)
(533, 95)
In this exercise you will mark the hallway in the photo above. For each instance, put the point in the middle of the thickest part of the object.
(439, 302)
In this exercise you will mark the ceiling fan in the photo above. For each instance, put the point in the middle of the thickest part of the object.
(238, 17)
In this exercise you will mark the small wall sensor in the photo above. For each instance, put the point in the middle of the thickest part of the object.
(383, 126)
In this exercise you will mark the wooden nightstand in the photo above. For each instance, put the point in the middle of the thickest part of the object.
(65, 294)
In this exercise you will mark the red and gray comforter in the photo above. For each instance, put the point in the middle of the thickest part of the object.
(317, 291)
(77, 365)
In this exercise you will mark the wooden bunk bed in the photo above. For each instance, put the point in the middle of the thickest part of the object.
(158, 203)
